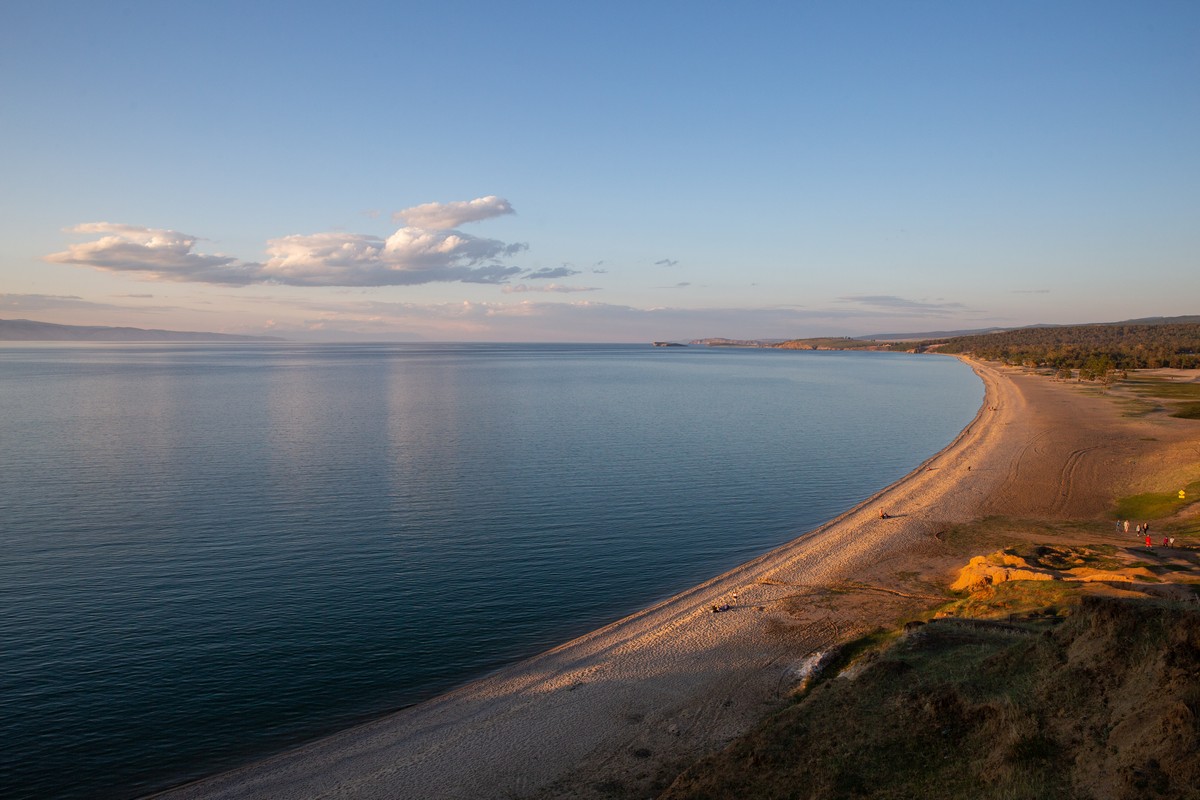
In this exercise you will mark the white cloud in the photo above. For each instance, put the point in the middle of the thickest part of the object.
(302, 257)
(429, 249)
(157, 253)
(443, 216)
(411, 255)
(408, 257)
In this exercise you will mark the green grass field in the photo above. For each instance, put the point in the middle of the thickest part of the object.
(1183, 398)
(1156, 505)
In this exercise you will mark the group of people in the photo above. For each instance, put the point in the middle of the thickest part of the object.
(1143, 529)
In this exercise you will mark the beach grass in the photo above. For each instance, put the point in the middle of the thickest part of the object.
(1152, 386)
(999, 532)
(1093, 556)
(958, 709)
(907, 725)
(1013, 598)
(1187, 411)
(1185, 396)
(1156, 505)
(1137, 407)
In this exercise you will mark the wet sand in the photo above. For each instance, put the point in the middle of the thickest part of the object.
(623, 706)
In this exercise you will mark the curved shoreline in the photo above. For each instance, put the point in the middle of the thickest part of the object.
(671, 679)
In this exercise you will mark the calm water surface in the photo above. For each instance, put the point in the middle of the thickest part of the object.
(211, 553)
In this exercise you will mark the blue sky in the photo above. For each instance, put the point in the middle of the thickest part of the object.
(607, 172)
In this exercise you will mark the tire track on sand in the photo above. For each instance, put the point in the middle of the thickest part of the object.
(1066, 480)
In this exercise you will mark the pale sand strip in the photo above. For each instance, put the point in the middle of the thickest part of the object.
(674, 680)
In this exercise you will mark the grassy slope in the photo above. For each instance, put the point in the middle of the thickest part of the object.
(1105, 704)
(1184, 398)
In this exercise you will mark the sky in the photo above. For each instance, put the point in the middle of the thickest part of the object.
(598, 172)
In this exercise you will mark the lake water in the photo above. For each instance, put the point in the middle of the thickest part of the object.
(213, 552)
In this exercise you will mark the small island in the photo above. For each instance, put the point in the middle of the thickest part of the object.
(669, 344)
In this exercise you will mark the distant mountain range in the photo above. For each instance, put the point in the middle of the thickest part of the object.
(24, 330)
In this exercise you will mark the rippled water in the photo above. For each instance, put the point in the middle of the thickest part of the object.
(211, 553)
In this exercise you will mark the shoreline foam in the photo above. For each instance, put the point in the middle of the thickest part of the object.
(671, 681)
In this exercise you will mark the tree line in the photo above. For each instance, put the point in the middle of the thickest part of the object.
(1093, 349)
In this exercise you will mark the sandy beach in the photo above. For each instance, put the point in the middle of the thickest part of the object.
(646, 695)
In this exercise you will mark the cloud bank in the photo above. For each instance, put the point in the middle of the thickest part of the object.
(901, 305)
(22, 303)
(580, 320)
(521, 288)
(428, 249)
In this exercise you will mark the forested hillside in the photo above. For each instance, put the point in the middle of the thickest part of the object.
(1091, 347)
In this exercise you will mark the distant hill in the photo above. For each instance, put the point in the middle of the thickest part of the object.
(848, 342)
(719, 342)
(1096, 349)
(24, 330)
(916, 337)
(1188, 320)
(842, 343)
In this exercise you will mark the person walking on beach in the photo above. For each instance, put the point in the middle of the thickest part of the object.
(1127, 526)
(1148, 544)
